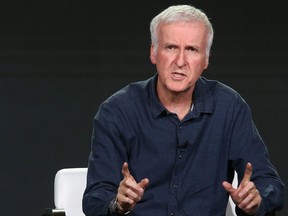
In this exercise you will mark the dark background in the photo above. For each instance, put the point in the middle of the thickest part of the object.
(60, 59)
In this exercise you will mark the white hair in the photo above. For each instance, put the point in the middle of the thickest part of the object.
(179, 13)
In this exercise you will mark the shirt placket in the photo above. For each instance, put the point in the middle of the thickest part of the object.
(177, 174)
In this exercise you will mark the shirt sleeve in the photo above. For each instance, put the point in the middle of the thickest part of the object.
(248, 146)
(105, 161)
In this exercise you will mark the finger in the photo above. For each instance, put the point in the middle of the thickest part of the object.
(246, 201)
(249, 188)
(135, 195)
(125, 170)
(144, 183)
(228, 187)
(251, 203)
(127, 199)
(255, 203)
(247, 175)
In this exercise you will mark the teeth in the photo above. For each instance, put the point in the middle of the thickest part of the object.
(179, 74)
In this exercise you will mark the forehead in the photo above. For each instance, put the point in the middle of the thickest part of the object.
(184, 31)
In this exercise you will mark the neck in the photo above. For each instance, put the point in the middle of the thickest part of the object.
(178, 103)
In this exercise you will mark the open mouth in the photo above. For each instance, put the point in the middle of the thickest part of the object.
(178, 76)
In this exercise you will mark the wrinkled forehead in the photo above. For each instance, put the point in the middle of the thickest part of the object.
(190, 26)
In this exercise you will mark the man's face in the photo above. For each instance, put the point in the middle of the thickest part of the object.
(180, 57)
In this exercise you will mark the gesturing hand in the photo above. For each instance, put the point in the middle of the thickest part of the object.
(246, 196)
(129, 191)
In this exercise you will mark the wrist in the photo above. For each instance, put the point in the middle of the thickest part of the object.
(114, 207)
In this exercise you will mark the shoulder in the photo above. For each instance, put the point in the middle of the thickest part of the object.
(222, 92)
(132, 93)
(228, 103)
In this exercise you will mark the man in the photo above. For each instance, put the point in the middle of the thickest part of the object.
(169, 145)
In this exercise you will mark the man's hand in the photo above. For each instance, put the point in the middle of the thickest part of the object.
(129, 191)
(246, 196)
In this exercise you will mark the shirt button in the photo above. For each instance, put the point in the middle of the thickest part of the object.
(175, 186)
(180, 156)
(172, 213)
(180, 128)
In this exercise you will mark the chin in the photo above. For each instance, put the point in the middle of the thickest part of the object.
(178, 90)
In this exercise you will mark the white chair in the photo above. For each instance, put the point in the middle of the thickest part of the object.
(69, 186)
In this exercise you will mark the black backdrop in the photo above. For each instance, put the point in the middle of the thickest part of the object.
(60, 59)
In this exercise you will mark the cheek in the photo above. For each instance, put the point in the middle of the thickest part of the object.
(164, 61)
(199, 65)
(162, 66)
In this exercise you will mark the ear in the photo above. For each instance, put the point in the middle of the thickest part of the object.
(152, 54)
(206, 63)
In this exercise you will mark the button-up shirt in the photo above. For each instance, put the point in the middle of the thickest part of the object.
(185, 161)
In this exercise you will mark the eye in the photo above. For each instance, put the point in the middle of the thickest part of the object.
(171, 47)
(192, 49)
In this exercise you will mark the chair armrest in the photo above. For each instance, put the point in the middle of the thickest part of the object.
(53, 212)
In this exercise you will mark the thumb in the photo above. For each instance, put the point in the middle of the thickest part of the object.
(228, 187)
(144, 183)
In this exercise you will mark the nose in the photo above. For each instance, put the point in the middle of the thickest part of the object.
(180, 59)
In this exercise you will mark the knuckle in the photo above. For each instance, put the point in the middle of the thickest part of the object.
(127, 191)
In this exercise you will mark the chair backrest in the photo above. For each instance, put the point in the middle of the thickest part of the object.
(69, 186)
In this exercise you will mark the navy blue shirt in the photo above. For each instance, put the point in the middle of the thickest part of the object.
(186, 161)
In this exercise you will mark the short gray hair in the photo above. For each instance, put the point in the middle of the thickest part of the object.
(186, 13)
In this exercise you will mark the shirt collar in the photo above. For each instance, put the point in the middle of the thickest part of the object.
(202, 99)
(156, 107)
